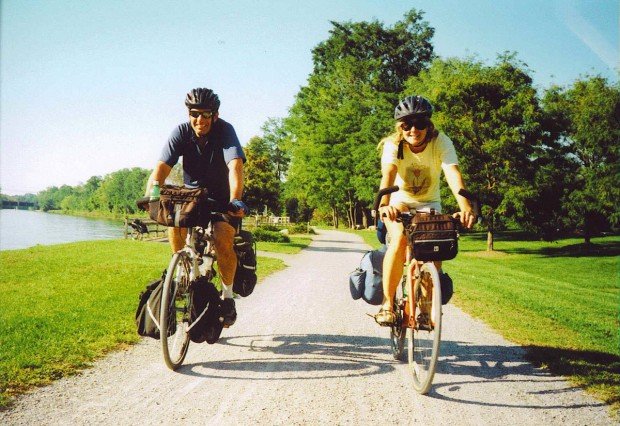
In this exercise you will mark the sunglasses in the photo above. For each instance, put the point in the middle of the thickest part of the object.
(419, 124)
(203, 114)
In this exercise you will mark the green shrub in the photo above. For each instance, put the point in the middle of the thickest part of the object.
(300, 228)
(268, 227)
(261, 234)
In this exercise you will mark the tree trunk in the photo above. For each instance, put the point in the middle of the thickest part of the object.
(490, 231)
(364, 219)
(587, 228)
(335, 217)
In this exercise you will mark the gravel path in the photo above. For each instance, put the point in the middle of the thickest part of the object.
(303, 352)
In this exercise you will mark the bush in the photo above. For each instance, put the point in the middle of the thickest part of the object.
(262, 234)
(267, 227)
(300, 228)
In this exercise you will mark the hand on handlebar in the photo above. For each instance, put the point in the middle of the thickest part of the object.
(467, 218)
(237, 208)
(389, 212)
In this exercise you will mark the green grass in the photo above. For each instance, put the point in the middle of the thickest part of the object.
(65, 305)
(559, 300)
(298, 242)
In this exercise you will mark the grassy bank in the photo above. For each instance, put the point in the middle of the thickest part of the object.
(560, 300)
(66, 305)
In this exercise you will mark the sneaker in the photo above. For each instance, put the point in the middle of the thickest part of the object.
(423, 322)
(228, 313)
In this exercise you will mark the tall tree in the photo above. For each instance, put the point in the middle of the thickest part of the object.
(345, 109)
(399, 52)
(587, 117)
(261, 181)
(492, 115)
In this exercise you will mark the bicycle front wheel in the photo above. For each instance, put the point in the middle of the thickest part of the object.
(397, 331)
(175, 310)
(423, 340)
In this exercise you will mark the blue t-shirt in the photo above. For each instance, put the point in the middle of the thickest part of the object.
(205, 167)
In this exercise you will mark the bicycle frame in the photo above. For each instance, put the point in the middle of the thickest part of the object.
(196, 236)
(413, 277)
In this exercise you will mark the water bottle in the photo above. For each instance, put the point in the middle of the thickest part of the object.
(154, 192)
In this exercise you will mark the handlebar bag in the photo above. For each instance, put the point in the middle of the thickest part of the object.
(433, 237)
(180, 207)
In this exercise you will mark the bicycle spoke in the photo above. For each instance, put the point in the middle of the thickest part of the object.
(176, 296)
(423, 340)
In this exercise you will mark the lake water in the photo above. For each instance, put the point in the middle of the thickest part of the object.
(24, 228)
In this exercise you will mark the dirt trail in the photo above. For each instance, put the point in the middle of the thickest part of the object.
(303, 352)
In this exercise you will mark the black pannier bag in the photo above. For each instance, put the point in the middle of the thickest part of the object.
(245, 276)
(433, 236)
(205, 322)
(149, 310)
(181, 207)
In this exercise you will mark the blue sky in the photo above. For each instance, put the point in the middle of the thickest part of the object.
(89, 87)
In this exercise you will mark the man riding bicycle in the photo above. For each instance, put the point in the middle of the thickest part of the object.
(413, 158)
(212, 158)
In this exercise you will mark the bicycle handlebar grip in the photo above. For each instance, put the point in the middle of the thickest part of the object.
(473, 198)
(380, 195)
(469, 195)
(143, 203)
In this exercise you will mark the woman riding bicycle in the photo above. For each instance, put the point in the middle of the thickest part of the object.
(413, 158)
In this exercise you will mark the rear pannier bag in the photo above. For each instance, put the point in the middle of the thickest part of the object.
(149, 311)
(433, 236)
(245, 275)
(180, 207)
(366, 282)
(204, 315)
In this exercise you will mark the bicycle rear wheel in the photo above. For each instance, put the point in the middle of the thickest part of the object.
(175, 310)
(423, 340)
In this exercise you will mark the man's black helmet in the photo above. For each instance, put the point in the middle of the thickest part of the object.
(202, 98)
(413, 106)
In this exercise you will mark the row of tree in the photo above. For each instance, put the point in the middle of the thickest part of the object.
(115, 193)
(543, 160)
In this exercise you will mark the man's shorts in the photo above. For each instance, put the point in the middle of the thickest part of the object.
(233, 221)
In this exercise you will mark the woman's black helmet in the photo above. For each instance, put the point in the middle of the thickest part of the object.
(202, 98)
(413, 106)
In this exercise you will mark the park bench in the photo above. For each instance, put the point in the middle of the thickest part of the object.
(143, 229)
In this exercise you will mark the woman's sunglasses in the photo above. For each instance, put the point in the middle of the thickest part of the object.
(419, 124)
(204, 114)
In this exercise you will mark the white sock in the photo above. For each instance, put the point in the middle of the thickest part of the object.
(227, 291)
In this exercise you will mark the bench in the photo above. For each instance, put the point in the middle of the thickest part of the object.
(144, 229)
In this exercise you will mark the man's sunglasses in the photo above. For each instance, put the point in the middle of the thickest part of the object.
(204, 114)
(419, 124)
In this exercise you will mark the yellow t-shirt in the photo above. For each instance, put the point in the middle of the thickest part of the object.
(418, 175)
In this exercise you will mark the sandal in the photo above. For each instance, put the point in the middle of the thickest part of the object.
(385, 317)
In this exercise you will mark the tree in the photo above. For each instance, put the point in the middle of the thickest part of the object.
(261, 181)
(492, 115)
(119, 190)
(345, 109)
(398, 52)
(587, 119)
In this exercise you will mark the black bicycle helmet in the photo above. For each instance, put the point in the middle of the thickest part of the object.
(202, 98)
(413, 106)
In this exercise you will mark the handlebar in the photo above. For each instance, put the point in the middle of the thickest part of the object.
(380, 195)
(210, 203)
(462, 192)
(143, 203)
